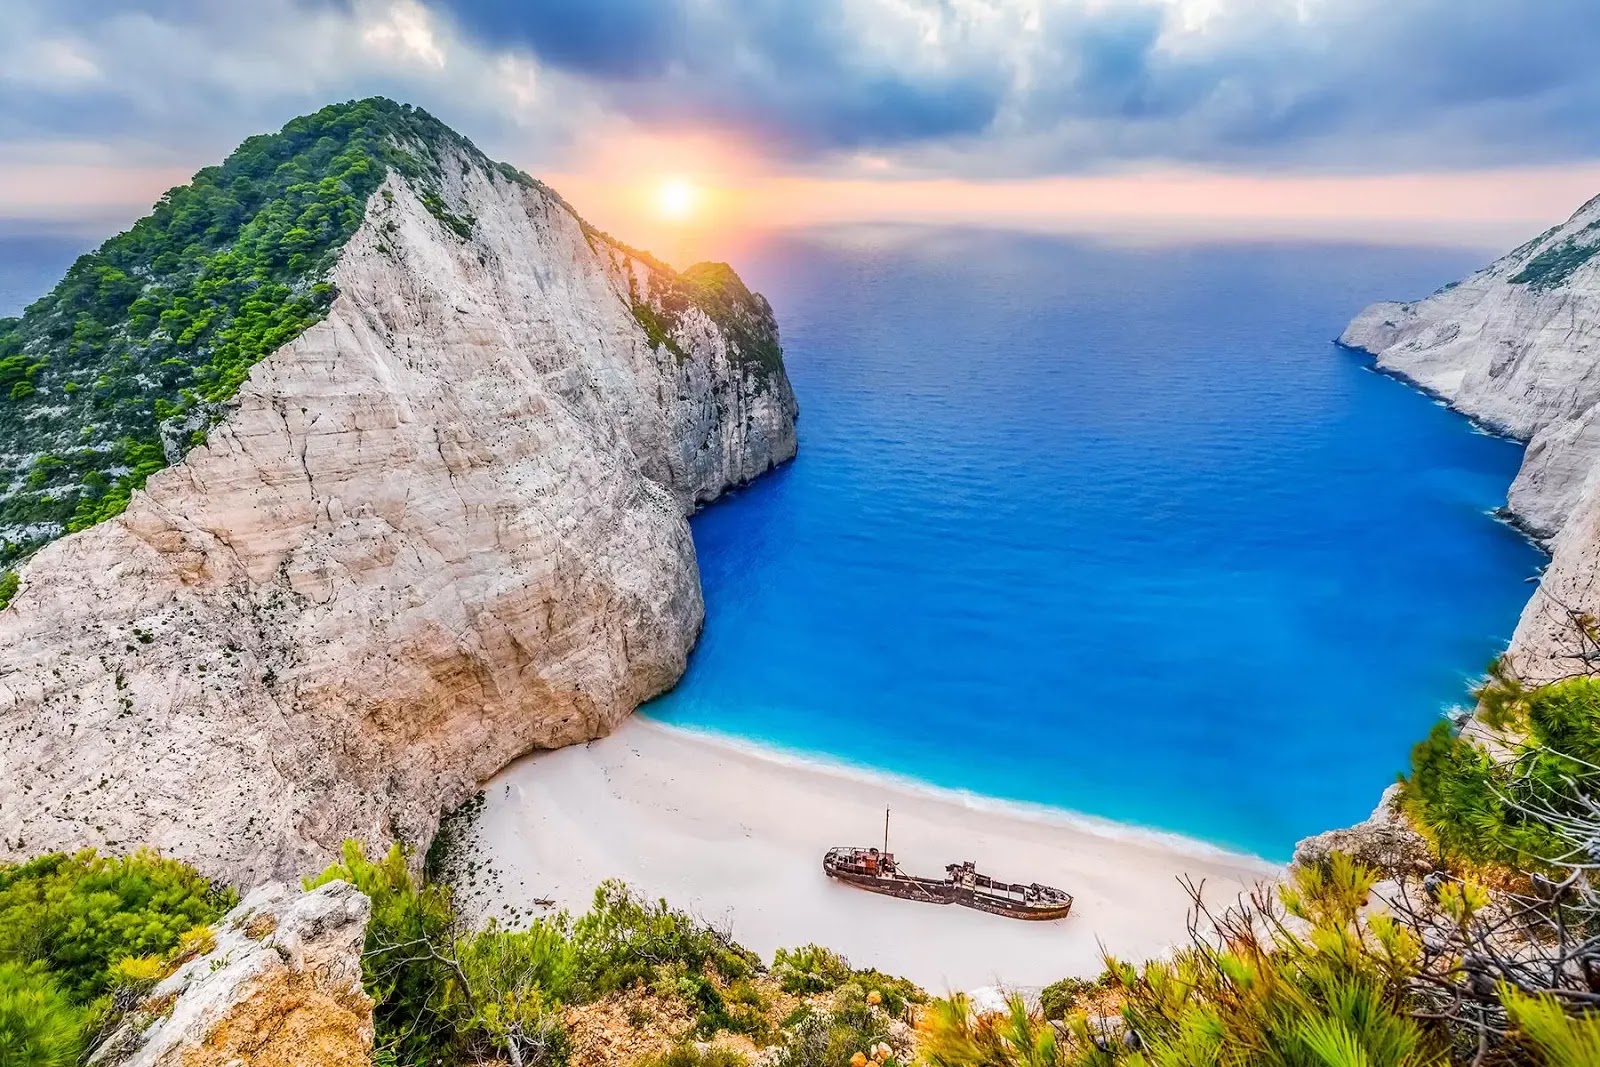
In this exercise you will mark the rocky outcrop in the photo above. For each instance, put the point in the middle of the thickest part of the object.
(280, 988)
(443, 527)
(1517, 347)
(1385, 842)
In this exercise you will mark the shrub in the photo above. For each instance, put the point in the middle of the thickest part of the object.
(824, 1037)
(1546, 1029)
(511, 986)
(1501, 810)
(1059, 998)
(810, 969)
(39, 1024)
(80, 914)
(403, 966)
(687, 1054)
(1333, 989)
(138, 973)
(622, 940)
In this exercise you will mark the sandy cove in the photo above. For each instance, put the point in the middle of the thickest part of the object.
(735, 834)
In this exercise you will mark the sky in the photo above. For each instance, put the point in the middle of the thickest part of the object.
(1467, 121)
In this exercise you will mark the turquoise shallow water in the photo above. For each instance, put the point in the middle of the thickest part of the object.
(1115, 530)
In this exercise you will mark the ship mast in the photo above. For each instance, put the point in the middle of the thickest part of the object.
(886, 828)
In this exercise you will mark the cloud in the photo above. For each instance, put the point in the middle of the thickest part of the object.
(1060, 85)
(157, 82)
(992, 89)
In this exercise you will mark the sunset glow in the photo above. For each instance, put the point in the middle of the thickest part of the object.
(677, 199)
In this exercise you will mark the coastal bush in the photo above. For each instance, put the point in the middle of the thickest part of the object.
(1307, 981)
(406, 964)
(443, 991)
(9, 584)
(836, 1036)
(624, 939)
(952, 1033)
(1059, 998)
(39, 1024)
(1557, 263)
(810, 969)
(82, 935)
(79, 915)
(1506, 808)
(1546, 1029)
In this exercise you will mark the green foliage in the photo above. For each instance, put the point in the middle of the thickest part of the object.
(1545, 1027)
(1557, 263)
(160, 326)
(833, 1036)
(79, 915)
(9, 584)
(39, 1024)
(1490, 810)
(692, 1055)
(810, 969)
(745, 318)
(624, 939)
(1059, 998)
(460, 225)
(443, 992)
(405, 966)
(1330, 991)
(952, 1034)
(74, 929)
(511, 984)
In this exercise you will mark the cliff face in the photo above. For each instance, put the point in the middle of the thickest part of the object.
(1516, 345)
(444, 526)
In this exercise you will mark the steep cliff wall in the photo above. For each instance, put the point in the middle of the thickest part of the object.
(444, 526)
(1516, 345)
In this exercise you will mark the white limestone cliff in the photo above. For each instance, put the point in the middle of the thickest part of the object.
(443, 527)
(1516, 346)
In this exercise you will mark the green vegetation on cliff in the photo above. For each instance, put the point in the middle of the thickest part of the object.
(123, 366)
(744, 318)
(1555, 264)
(1507, 808)
(77, 930)
(127, 363)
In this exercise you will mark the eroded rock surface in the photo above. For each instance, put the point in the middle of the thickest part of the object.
(1385, 842)
(442, 528)
(281, 988)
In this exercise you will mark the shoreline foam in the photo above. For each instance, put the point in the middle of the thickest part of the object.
(971, 800)
(734, 832)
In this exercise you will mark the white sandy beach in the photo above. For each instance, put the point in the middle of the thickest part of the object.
(735, 834)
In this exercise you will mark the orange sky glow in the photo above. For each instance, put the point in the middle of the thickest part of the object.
(688, 197)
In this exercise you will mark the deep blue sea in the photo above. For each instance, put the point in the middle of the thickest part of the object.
(1117, 530)
(1113, 529)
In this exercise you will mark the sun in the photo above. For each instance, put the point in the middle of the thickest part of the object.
(677, 199)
